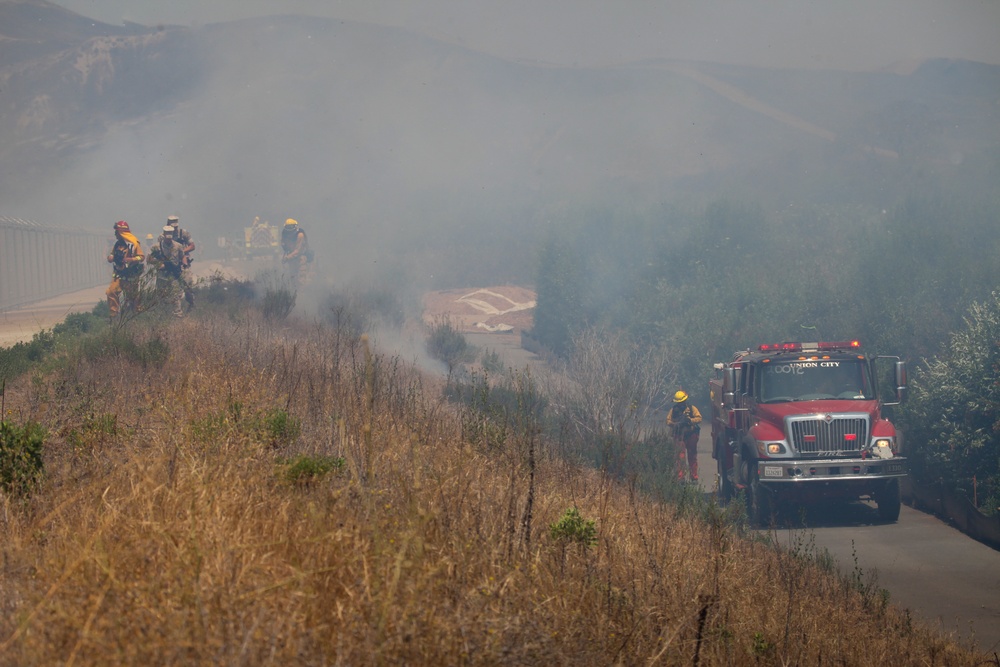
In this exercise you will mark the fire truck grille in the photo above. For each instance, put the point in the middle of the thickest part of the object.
(819, 437)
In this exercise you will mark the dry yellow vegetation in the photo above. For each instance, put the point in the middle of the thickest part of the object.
(169, 530)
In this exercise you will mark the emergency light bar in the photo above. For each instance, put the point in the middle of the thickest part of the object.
(802, 347)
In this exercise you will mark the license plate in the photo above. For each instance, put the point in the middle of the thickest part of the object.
(893, 467)
(772, 471)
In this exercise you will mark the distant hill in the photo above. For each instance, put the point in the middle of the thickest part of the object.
(364, 129)
(34, 28)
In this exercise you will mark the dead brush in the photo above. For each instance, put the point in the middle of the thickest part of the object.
(182, 540)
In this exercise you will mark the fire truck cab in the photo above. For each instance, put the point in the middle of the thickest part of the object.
(802, 422)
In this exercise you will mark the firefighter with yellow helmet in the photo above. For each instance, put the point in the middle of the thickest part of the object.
(684, 422)
(127, 265)
(296, 254)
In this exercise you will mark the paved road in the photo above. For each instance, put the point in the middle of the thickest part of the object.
(938, 573)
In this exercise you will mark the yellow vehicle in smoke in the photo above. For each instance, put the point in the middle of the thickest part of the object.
(262, 239)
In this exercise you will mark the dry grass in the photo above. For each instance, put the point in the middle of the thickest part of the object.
(166, 533)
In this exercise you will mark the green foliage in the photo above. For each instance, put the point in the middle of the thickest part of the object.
(77, 324)
(761, 647)
(279, 427)
(119, 343)
(21, 464)
(446, 343)
(274, 427)
(20, 357)
(307, 469)
(952, 420)
(572, 528)
(95, 430)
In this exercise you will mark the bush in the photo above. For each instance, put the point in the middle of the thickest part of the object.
(574, 529)
(280, 428)
(77, 324)
(953, 416)
(447, 344)
(118, 343)
(306, 469)
(18, 358)
(21, 463)
(492, 362)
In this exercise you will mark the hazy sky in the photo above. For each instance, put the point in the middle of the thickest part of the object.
(837, 34)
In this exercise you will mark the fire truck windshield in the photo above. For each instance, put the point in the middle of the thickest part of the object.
(815, 379)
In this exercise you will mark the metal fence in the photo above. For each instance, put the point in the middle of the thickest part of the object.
(40, 261)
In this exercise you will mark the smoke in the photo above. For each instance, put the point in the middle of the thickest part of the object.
(403, 158)
(413, 162)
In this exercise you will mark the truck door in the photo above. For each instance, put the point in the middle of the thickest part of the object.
(745, 397)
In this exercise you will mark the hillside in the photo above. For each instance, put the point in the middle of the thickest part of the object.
(233, 489)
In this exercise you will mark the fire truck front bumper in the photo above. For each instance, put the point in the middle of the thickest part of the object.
(828, 470)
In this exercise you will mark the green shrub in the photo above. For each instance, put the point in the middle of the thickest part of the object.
(118, 342)
(447, 344)
(574, 529)
(280, 428)
(19, 357)
(953, 414)
(95, 429)
(306, 469)
(21, 463)
(77, 324)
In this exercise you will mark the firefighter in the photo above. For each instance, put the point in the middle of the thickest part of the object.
(126, 260)
(297, 254)
(182, 237)
(684, 422)
(168, 258)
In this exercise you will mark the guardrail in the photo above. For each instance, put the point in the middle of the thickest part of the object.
(40, 261)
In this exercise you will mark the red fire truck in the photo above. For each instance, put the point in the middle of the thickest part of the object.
(802, 422)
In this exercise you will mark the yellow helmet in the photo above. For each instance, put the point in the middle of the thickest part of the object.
(680, 397)
(291, 223)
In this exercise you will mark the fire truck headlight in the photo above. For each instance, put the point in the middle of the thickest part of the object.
(882, 449)
(775, 448)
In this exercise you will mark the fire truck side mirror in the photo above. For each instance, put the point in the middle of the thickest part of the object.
(900, 381)
(729, 388)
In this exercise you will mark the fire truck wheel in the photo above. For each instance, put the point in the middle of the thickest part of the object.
(758, 500)
(725, 484)
(888, 501)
